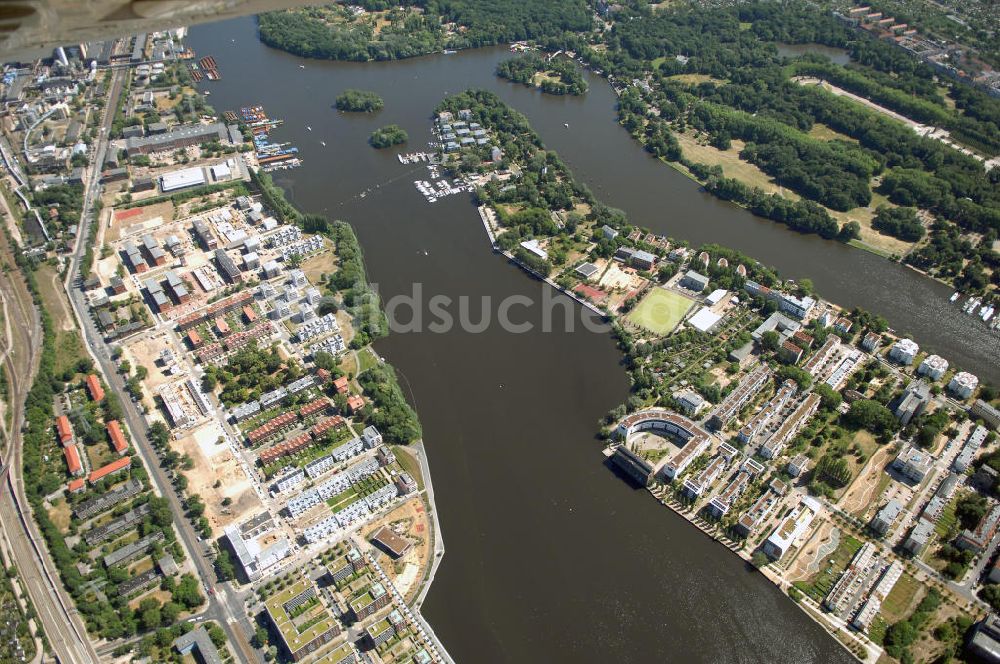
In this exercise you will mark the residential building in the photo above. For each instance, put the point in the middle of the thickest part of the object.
(904, 351)
(912, 463)
(965, 457)
(198, 640)
(791, 528)
(886, 517)
(117, 438)
(370, 601)
(227, 267)
(73, 465)
(245, 542)
(301, 619)
(985, 641)
(694, 281)
(919, 536)
(64, 430)
(933, 366)
(979, 538)
(871, 342)
(690, 402)
(986, 412)
(747, 388)
(94, 388)
(789, 353)
(110, 469)
(913, 401)
(643, 260)
(798, 465)
(963, 385)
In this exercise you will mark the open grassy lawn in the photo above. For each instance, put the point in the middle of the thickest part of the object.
(729, 160)
(324, 262)
(830, 569)
(660, 310)
(824, 133)
(408, 463)
(366, 360)
(901, 599)
(695, 79)
(744, 171)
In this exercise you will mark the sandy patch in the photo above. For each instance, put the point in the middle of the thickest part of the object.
(215, 463)
(129, 221)
(616, 278)
(861, 494)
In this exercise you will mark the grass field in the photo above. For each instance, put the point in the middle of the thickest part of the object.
(660, 311)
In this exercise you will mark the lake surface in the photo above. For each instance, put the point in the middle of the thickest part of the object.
(550, 557)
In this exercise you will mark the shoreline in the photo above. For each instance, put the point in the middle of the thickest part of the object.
(816, 615)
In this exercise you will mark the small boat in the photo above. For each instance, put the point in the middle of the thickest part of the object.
(302, 66)
(323, 143)
(566, 124)
(955, 296)
(309, 128)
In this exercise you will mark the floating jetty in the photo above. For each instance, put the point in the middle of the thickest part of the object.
(210, 67)
(432, 191)
(414, 157)
(270, 156)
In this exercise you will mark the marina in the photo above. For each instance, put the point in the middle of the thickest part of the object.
(271, 156)
(440, 187)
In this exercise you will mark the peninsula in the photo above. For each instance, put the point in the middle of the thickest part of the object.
(853, 470)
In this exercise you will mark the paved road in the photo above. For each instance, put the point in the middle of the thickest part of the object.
(225, 605)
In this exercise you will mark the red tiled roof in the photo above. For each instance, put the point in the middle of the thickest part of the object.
(313, 407)
(72, 459)
(340, 384)
(112, 467)
(94, 387)
(64, 429)
(76, 485)
(248, 311)
(355, 403)
(117, 437)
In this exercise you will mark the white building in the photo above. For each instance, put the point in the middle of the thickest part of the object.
(187, 177)
(245, 541)
(963, 385)
(791, 528)
(933, 367)
(904, 351)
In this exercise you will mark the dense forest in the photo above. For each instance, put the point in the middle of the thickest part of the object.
(557, 76)
(332, 32)
(359, 101)
(387, 136)
(717, 72)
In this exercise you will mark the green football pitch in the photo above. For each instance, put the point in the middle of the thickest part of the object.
(660, 311)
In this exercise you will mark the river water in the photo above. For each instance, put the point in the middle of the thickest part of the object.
(550, 557)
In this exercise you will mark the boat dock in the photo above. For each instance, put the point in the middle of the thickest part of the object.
(270, 156)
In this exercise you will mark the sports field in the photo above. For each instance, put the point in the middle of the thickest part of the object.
(660, 311)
